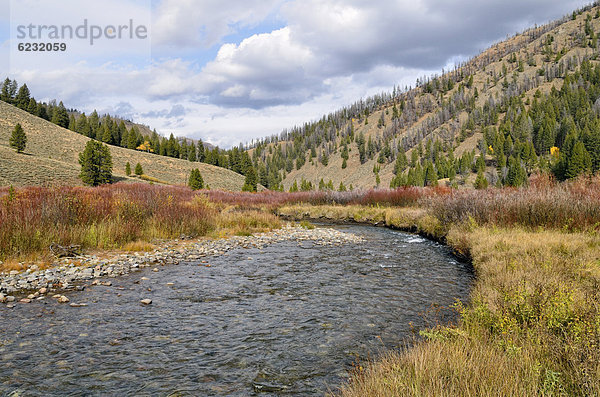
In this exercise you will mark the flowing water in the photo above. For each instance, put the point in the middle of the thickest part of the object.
(291, 318)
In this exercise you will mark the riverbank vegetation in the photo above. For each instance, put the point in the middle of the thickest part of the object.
(111, 217)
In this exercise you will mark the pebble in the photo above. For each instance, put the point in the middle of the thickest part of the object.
(77, 304)
(146, 301)
(63, 299)
(25, 300)
(65, 274)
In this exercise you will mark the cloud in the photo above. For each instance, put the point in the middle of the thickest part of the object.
(176, 111)
(203, 23)
(264, 70)
(355, 35)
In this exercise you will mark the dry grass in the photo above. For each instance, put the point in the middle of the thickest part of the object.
(111, 217)
(532, 327)
(52, 158)
(138, 246)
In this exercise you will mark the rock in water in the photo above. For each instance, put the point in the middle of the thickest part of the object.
(146, 301)
(63, 299)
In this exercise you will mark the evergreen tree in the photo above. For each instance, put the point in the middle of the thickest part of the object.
(195, 181)
(251, 180)
(106, 134)
(132, 138)
(5, 92)
(96, 164)
(41, 112)
(579, 162)
(94, 122)
(32, 106)
(18, 139)
(23, 97)
(128, 169)
(294, 187)
(342, 187)
(481, 181)
(138, 169)
(72, 123)
(192, 152)
(431, 177)
(344, 164)
(60, 116)
(201, 151)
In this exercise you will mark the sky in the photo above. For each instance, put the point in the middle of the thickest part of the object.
(229, 71)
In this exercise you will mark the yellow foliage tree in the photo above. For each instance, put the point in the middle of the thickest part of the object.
(146, 147)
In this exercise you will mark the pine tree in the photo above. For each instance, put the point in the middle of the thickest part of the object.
(106, 134)
(196, 182)
(60, 116)
(344, 164)
(96, 164)
(132, 138)
(342, 187)
(431, 177)
(294, 187)
(32, 106)
(128, 169)
(579, 162)
(481, 182)
(138, 169)
(18, 139)
(201, 151)
(5, 92)
(251, 180)
(192, 152)
(23, 97)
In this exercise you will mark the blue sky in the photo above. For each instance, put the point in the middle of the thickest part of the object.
(228, 71)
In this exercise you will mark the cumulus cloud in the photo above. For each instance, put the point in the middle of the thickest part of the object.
(203, 23)
(264, 70)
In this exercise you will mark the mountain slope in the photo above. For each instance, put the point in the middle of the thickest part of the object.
(453, 109)
(52, 155)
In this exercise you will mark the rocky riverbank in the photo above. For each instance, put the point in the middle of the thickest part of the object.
(76, 273)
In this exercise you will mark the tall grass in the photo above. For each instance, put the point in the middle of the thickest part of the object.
(405, 196)
(545, 203)
(108, 217)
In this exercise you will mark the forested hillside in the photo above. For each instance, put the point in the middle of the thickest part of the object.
(525, 105)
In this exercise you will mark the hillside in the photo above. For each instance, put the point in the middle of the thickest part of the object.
(51, 158)
(471, 112)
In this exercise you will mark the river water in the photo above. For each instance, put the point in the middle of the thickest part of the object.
(289, 319)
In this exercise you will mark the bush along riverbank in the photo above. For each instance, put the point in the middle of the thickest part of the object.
(532, 326)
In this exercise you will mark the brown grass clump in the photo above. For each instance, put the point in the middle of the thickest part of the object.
(138, 246)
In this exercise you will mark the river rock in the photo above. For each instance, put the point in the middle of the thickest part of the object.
(63, 299)
(25, 300)
(146, 301)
